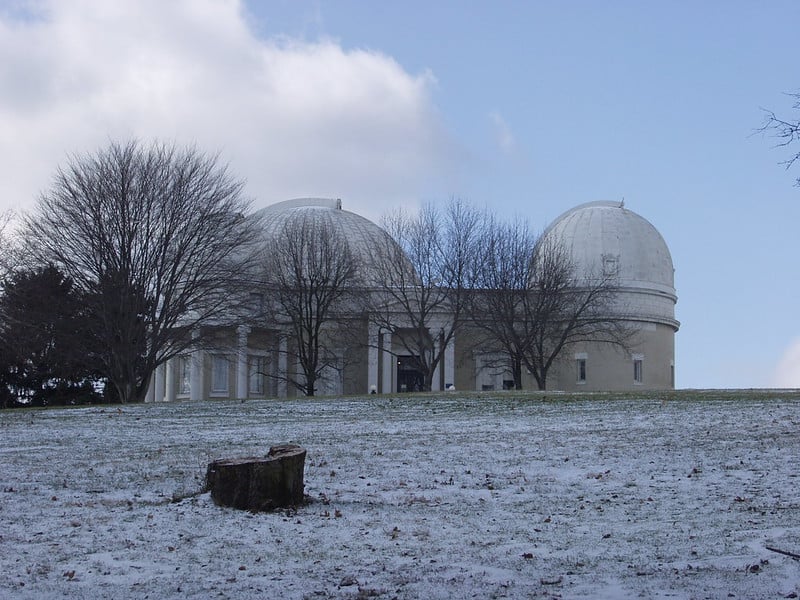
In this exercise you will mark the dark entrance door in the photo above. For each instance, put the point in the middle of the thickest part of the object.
(409, 377)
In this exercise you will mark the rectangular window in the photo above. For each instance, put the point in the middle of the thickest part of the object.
(184, 375)
(219, 374)
(637, 370)
(672, 374)
(256, 373)
(580, 363)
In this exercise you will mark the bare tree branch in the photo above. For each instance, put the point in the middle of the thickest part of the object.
(500, 303)
(786, 132)
(157, 241)
(531, 304)
(311, 277)
(569, 308)
(9, 244)
(423, 278)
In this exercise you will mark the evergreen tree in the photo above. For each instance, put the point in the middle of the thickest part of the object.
(46, 347)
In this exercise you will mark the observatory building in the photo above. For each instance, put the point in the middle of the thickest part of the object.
(256, 358)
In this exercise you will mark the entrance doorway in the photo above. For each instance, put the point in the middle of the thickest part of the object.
(409, 377)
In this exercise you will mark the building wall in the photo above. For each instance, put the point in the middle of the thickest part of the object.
(356, 357)
(263, 342)
(610, 368)
(472, 371)
(475, 365)
(607, 368)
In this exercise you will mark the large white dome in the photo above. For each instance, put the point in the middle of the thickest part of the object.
(607, 238)
(364, 237)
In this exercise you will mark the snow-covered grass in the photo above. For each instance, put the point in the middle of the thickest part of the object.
(674, 495)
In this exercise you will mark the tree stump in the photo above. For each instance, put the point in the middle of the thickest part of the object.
(259, 484)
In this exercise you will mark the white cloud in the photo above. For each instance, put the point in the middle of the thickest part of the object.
(294, 118)
(503, 135)
(787, 373)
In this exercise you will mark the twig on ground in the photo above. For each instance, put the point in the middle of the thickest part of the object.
(784, 552)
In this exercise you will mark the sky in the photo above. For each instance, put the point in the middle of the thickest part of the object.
(528, 108)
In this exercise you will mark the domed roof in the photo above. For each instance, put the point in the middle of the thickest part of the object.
(363, 236)
(606, 237)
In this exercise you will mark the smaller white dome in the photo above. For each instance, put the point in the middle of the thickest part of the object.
(607, 238)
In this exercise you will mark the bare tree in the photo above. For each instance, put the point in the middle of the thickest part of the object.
(531, 303)
(8, 346)
(566, 308)
(423, 280)
(787, 132)
(156, 240)
(9, 246)
(312, 281)
(501, 304)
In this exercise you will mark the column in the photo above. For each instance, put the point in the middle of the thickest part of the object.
(372, 359)
(436, 384)
(159, 383)
(282, 371)
(241, 362)
(170, 380)
(388, 364)
(299, 375)
(151, 390)
(197, 374)
(450, 363)
(478, 358)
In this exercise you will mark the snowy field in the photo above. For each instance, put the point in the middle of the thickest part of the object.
(675, 496)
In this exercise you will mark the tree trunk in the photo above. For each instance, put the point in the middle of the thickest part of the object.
(517, 373)
(259, 484)
(124, 390)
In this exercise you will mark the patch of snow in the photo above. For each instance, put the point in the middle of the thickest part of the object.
(435, 497)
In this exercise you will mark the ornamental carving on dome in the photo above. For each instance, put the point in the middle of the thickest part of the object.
(610, 265)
